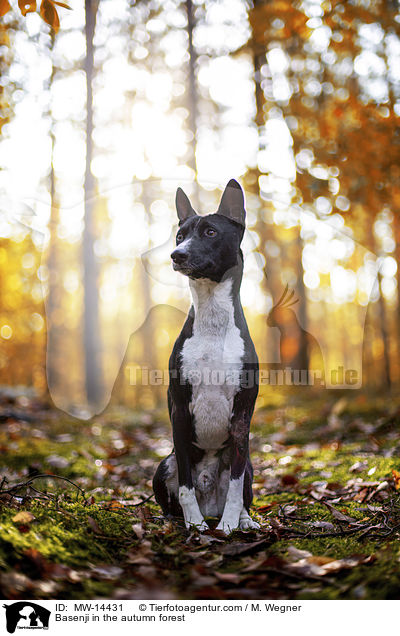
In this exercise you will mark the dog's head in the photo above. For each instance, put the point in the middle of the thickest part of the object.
(209, 246)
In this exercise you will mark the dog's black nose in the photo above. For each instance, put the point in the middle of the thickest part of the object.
(179, 256)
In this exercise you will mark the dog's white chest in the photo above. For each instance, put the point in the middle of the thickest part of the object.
(212, 361)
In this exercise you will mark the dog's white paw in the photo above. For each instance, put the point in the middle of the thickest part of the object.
(247, 523)
(227, 525)
(201, 526)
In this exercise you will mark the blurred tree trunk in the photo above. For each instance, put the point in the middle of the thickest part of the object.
(302, 307)
(381, 317)
(383, 323)
(149, 356)
(265, 231)
(396, 233)
(192, 95)
(93, 375)
(54, 298)
(54, 295)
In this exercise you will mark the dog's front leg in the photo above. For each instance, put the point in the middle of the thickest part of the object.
(240, 426)
(181, 424)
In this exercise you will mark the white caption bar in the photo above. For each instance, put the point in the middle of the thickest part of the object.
(155, 617)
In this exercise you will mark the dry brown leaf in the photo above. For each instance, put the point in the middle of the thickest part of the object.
(235, 549)
(228, 577)
(396, 477)
(115, 505)
(94, 525)
(321, 566)
(339, 515)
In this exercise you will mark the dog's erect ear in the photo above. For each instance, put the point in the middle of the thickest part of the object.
(183, 206)
(232, 203)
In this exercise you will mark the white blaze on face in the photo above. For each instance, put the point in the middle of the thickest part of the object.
(184, 246)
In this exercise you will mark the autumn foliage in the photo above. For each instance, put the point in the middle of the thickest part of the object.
(47, 10)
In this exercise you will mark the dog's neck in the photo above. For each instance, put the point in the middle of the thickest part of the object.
(214, 303)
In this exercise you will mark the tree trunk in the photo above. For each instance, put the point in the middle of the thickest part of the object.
(54, 298)
(302, 310)
(93, 375)
(192, 94)
(396, 233)
(383, 326)
(380, 314)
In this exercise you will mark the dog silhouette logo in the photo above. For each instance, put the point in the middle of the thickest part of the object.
(26, 615)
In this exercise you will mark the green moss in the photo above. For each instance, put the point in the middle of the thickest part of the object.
(67, 535)
(305, 452)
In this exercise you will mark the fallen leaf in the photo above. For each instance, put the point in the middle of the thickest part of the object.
(288, 510)
(115, 505)
(206, 539)
(138, 530)
(236, 549)
(94, 525)
(382, 486)
(107, 572)
(396, 477)
(321, 566)
(23, 517)
(358, 467)
(295, 553)
(339, 515)
(325, 525)
(228, 577)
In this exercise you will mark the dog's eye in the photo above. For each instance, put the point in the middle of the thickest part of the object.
(210, 232)
(179, 237)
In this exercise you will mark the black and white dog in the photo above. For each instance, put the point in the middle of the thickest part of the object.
(213, 375)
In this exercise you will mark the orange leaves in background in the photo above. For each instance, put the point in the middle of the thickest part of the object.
(48, 10)
(396, 477)
(49, 14)
(26, 7)
(4, 7)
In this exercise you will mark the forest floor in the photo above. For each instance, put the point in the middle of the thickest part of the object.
(327, 497)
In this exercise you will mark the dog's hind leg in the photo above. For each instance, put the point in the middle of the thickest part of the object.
(165, 486)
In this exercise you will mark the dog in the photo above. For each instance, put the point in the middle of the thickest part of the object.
(213, 372)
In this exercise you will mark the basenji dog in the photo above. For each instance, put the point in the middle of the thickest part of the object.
(213, 372)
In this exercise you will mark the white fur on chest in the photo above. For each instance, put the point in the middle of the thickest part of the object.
(212, 360)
